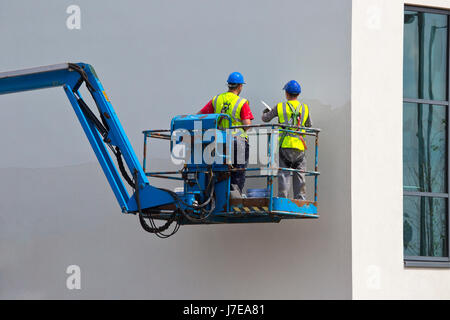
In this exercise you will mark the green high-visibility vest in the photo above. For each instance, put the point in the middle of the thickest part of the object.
(230, 104)
(295, 114)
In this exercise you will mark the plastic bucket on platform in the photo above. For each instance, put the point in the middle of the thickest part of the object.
(257, 193)
(179, 191)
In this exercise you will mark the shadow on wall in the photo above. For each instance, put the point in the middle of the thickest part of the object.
(53, 218)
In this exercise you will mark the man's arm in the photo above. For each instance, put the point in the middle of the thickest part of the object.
(246, 122)
(246, 115)
(268, 115)
(207, 109)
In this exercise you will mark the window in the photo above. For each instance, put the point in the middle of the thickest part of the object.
(426, 137)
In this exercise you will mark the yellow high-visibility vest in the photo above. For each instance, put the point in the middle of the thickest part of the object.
(287, 115)
(230, 104)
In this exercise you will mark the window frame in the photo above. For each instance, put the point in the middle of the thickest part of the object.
(423, 261)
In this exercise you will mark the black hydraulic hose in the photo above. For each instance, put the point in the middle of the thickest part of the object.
(122, 168)
(84, 78)
(83, 75)
(204, 204)
(205, 214)
(153, 228)
(88, 113)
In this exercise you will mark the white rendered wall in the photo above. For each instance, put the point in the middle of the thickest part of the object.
(376, 134)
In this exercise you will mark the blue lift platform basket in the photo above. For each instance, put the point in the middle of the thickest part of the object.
(228, 209)
(206, 197)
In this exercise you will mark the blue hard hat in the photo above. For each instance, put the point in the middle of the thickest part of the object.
(236, 78)
(292, 87)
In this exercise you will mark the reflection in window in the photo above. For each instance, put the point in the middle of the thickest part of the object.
(425, 56)
(424, 226)
(424, 148)
(425, 132)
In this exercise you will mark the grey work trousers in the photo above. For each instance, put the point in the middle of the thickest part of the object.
(293, 159)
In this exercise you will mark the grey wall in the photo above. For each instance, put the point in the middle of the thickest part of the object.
(157, 59)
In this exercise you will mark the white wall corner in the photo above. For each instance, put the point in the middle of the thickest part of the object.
(376, 157)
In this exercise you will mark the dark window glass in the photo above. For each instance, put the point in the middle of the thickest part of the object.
(424, 148)
(425, 136)
(425, 56)
(425, 226)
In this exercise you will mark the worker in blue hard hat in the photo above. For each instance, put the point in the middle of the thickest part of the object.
(239, 111)
(292, 145)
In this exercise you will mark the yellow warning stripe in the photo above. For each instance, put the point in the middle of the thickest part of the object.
(106, 97)
(248, 209)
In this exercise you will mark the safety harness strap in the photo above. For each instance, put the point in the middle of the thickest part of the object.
(293, 121)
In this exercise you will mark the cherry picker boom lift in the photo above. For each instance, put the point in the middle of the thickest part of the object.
(206, 197)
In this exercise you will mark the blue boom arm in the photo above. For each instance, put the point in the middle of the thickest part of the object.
(103, 133)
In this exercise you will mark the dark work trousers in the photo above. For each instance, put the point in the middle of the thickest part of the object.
(293, 159)
(240, 161)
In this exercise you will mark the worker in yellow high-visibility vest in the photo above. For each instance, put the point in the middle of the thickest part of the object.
(239, 111)
(292, 145)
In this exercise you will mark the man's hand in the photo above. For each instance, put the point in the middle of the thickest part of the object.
(269, 114)
(246, 122)
(267, 109)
